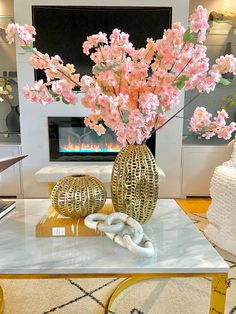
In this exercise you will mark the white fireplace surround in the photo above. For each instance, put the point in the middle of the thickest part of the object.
(53, 173)
(34, 130)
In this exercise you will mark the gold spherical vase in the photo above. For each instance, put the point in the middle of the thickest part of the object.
(78, 196)
(134, 182)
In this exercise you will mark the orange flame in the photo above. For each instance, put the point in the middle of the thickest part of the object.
(108, 147)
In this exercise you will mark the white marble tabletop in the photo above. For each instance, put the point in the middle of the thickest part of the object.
(179, 246)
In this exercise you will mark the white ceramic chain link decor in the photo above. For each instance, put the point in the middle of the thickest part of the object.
(123, 230)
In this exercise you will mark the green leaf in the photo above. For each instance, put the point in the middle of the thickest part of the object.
(28, 48)
(224, 81)
(190, 37)
(181, 81)
(126, 116)
(101, 67)
(184, 78)
(64, 100)
(98, 68)
(194, 39)
(53, 94)
(108, 68)
(180, 85)
(160, 109)
(187, 36)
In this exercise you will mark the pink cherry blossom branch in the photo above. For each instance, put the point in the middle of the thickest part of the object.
(174, 115)
(182, 70)
(177, 59)
(154, 129)
(99, 47)
(60, 71)
(120, 92)
(201, 123)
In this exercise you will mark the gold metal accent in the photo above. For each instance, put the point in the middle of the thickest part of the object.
(146, 242)
(50, 188)
(114, 237)
(1, 301)
(97, 224)
(124, 234)
(103, 275)
(119, 289)
(218, 292)
(78, 196)
(126, 220)
(134, 182)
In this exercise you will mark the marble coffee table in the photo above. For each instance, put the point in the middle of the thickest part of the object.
(181, 251)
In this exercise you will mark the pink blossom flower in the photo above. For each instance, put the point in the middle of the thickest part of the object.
(199, 24)
(99, 129)
(208, 135)
(39, 93)
(225, 64)
(11, 30)
(202, 124)
(93, 41)
(120, 39)
(69, 96)
(26, 33)
(220, 119)
(121, 136)
(226, 132)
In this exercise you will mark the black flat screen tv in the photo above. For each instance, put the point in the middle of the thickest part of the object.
(62, 30)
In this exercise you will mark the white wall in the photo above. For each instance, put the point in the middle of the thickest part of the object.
(34, 116)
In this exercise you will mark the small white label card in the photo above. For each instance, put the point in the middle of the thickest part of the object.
(58, 231)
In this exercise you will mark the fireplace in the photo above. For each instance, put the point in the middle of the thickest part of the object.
(71, 140)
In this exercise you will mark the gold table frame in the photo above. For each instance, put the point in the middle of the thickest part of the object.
(218, 285)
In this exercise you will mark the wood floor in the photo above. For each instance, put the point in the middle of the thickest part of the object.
(194, 204)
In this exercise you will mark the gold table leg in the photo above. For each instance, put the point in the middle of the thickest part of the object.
(218, 294)
(218, 289)
(120, 288)
(1, 300)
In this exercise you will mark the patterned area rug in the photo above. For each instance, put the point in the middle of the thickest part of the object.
(89, 296)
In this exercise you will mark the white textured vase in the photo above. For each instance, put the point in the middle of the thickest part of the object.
(221, 228)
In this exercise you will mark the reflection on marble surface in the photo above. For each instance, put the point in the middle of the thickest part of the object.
(179, 246)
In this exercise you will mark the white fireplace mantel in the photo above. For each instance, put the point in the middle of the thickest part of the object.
(103, 173)
(34, 130)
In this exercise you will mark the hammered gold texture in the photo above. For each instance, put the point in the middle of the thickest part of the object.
(78, 196)
(134, 182)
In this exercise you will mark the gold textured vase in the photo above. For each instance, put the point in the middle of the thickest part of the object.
(134, 182)
(78, 196)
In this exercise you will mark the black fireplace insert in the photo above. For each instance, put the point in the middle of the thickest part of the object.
(71, 140)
